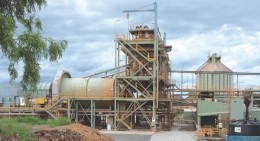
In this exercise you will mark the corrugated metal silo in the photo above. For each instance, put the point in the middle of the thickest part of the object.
(214, 75)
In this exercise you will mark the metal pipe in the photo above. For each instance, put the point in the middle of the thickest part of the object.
(164, 38)
(215, 72)
(155, 64)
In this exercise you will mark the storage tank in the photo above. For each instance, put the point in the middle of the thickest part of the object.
(244, 130)
(214, 75)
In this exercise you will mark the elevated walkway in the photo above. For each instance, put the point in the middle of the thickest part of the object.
(19, 111)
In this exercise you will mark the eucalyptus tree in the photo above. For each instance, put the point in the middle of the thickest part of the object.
(21, 40)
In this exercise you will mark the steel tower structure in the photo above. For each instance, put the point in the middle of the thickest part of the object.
(142, 91)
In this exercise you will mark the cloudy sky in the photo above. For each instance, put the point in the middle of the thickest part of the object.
(194, 28)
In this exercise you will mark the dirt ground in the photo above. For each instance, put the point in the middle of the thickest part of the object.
(78, 132)
(75, 132)
(8, 138)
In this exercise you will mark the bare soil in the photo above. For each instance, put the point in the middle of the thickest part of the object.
(8, 138)
(73, 132)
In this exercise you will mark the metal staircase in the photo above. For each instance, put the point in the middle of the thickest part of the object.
(53, 110)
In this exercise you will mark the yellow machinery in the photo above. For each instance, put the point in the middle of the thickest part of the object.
(40, 101)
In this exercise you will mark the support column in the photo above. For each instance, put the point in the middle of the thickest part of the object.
(115, 110)
(155, 61)
(68, 112)
(251, 102)
(93, 111)
(237, 85)
(199, 121)
(115, 84)
(77, 112)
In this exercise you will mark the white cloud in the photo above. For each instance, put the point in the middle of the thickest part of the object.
(237, 47)
(193, 28)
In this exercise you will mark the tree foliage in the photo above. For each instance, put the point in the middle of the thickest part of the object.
(26, 43)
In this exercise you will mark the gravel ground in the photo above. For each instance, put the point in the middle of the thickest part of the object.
(133, 135)
(180, 132)
(129, 137)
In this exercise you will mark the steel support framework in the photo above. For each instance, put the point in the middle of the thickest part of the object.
(192, 93)
(180, 88)
(138, 92)
(142, 92)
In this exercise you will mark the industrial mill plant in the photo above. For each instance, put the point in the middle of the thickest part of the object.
(144, 92)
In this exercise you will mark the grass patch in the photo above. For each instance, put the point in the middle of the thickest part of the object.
(21, 126)
(32, 120)
(9, 126)
(58, 122)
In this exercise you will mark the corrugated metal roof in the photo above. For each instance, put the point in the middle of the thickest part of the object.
(214, 64)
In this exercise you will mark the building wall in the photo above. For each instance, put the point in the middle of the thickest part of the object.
(205, 107)
(237, 108)
(210, 108)
(189, 115)
(254, 113)
(8, 93)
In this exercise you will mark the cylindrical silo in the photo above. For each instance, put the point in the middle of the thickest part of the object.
(213, 75)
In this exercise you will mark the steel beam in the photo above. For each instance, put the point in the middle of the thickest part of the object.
(215, 72)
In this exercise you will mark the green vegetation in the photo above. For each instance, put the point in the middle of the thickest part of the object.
(58, 122)
(21, 126)
(11, 126)
(31, 120)
(21, 40)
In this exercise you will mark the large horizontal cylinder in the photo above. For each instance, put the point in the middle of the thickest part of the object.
(86, 88)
